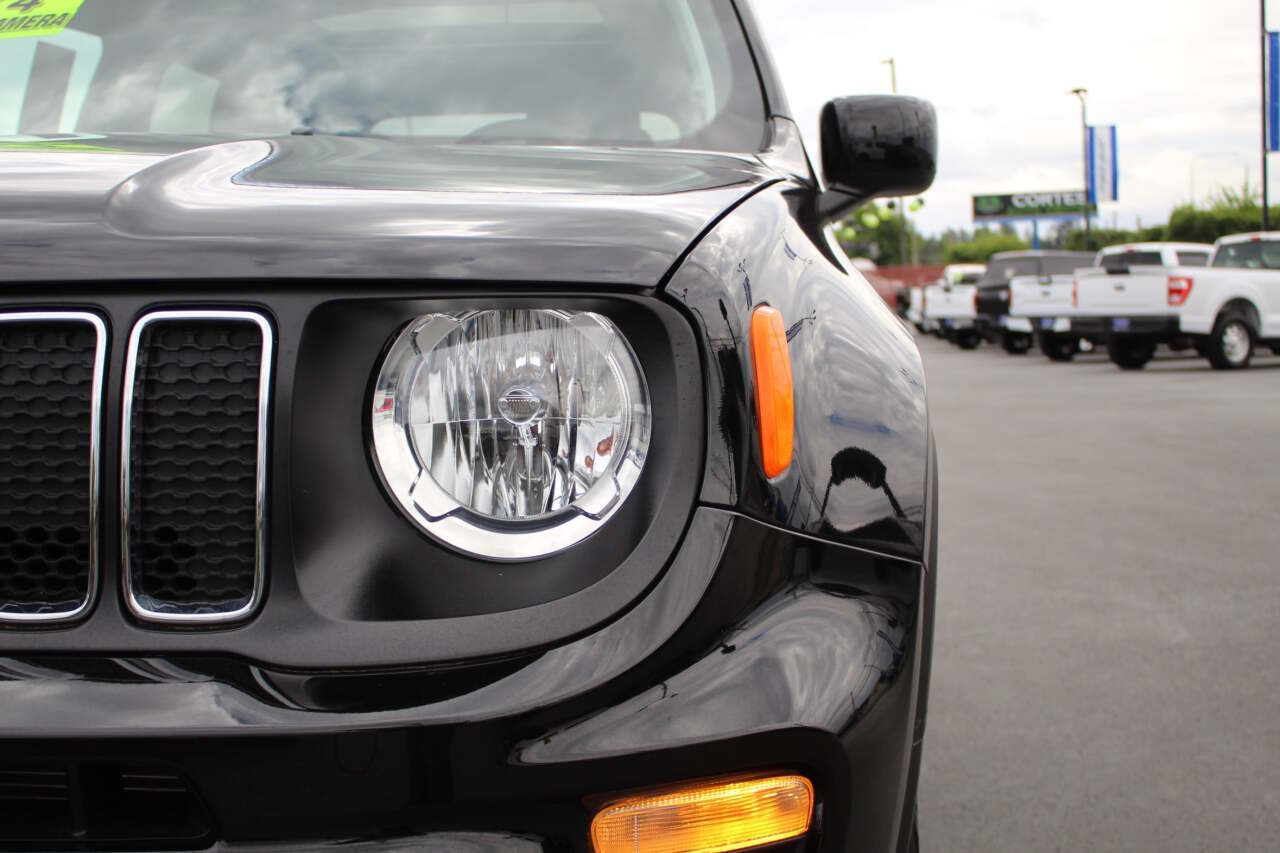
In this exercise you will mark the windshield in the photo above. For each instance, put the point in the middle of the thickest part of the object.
(670, 73)
(1254, 255)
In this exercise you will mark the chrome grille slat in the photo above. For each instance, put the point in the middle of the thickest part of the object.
(50, 417)
(193, 465)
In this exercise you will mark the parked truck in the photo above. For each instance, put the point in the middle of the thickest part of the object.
(995, 320)
(1225, 309)
(949, 305)
(1049, 303)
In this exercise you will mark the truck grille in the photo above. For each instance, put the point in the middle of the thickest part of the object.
(193, 465)
(51, 367)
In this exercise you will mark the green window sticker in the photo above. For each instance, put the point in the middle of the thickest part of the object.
(35, 18)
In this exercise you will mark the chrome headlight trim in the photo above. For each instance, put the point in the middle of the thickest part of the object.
(437, 512)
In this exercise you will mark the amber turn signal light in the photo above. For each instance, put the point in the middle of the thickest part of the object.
(775, 403)
(707, 817)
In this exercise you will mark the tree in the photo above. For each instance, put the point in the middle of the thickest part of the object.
(982, 245)
(874, 231)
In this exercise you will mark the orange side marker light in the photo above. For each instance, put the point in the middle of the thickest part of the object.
(775, 398)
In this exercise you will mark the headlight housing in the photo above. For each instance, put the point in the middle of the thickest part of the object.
(510, 434)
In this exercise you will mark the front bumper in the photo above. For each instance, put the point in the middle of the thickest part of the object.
(757, 650)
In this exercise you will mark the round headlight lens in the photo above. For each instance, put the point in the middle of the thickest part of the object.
(510, 434)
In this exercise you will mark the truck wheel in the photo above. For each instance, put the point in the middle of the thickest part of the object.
(1059, 347)
(1230, 346)
(967, 339)
(1130, 353)
(1015, 344)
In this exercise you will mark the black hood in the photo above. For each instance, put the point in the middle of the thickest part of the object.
(137, 208)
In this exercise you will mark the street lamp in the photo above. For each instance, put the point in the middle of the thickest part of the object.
(1083, 95)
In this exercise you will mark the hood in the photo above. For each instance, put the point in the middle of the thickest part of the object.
(141, 208)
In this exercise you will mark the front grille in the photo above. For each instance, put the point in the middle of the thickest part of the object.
(50, 401)
(55, 804)
(193, 474)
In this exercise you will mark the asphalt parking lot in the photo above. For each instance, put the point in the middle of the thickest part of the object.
(1107, 659)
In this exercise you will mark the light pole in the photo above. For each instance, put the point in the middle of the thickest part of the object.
(1083, 95)
(902, 212)
(1266, 147)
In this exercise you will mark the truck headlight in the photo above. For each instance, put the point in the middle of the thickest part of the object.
(510, 434)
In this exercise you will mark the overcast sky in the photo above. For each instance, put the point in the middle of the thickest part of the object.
(1179, 78)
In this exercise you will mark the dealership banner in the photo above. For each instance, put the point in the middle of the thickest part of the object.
(1273, 91)
(1042, 205)
(1104, 176)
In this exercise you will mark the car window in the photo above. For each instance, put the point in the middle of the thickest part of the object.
(1121, 261)
(1254, 255)
(672, 73)
(1193, 259)
(1065, 264)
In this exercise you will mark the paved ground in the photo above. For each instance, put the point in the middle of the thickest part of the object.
(1107, 667)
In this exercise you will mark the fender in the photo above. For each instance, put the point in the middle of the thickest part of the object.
(858, 473)
(1214, 289)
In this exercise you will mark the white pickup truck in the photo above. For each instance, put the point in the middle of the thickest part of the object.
(1224, 309)
(948, 305)
(1049, 304)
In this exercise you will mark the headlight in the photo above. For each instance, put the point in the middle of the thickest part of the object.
(510, 434)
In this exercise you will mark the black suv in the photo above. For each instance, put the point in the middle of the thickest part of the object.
(449, 426)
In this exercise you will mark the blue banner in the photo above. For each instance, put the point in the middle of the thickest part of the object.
(1104, 174)
(1273, 91)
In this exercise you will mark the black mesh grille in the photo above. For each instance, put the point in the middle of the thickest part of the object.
(193, 466)
(46, 409)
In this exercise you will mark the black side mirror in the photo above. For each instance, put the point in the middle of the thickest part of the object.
(876, 145)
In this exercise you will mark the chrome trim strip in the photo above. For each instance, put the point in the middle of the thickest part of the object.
(95, 450)
(260, 498)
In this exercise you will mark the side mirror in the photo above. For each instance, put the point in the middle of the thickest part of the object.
(876, 145)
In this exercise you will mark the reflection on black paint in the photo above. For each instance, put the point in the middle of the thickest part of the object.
(854, 463)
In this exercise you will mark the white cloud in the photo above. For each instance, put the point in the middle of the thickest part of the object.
(1180, 79)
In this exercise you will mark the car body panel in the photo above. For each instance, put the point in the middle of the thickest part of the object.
(809, 655)
(326, 207)
(1144, 290)
(1214, 287)
(950, 301)
(1033, 296)
(859, 467)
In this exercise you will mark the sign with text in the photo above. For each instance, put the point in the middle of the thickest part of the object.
(1045, 205)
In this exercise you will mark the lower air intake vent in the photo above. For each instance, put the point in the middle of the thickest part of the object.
(98, 806)
(195, 465)
(50, 389)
